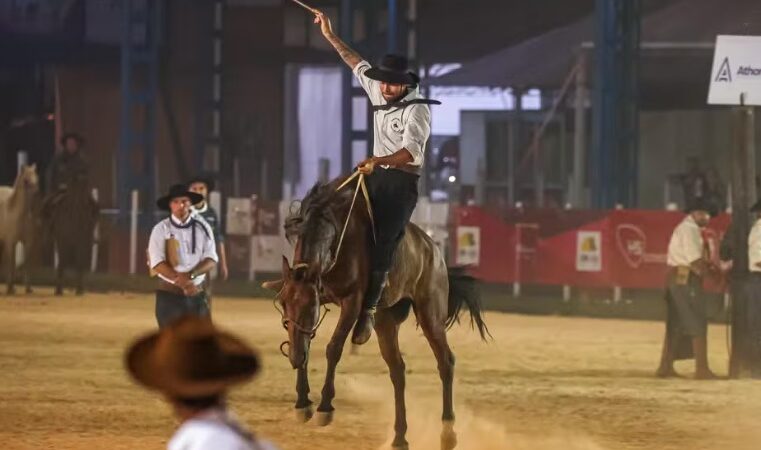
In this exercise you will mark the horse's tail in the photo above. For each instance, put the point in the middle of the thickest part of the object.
(463, 290)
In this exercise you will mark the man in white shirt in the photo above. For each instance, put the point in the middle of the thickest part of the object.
(193, 364)
(181, 251)
(686, 322)
(402, 126)
(752, 297)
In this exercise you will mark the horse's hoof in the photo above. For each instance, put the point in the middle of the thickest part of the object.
(400, 444)
(448, 437)
(323, 419)
(304, 414)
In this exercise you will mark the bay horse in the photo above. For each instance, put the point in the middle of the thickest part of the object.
(72, 215)
(17, 218)
(331, 263)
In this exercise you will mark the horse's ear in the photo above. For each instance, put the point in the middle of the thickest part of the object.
(286, 268)
(275, 285)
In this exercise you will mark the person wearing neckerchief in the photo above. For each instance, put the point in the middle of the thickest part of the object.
(193, 365)
(181, 251)
(401, 128)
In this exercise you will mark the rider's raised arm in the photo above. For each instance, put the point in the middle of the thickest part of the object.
(350, 57)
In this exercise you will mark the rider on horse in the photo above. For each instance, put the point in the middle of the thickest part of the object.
(67, 168)
(402, 126)
(68, 165)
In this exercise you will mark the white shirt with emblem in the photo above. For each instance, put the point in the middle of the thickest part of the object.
(686, 244)
(396, 128)
(183, 232)
(754, 247)
(214, 430)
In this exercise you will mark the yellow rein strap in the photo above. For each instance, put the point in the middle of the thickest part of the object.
(360, 185)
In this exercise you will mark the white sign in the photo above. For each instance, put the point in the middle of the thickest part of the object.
(736, 71)
(589, 251)
(468, 246)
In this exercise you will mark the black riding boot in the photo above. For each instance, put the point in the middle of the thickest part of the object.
(364, 326)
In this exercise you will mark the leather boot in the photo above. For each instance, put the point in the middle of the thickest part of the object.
(366, 321)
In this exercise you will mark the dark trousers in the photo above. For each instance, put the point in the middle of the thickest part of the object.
(393, 195)
(170, 307)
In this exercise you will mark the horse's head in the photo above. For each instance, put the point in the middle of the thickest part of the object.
(299, 297)
(28, 179)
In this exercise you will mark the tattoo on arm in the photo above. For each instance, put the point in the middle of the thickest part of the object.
(350, 57)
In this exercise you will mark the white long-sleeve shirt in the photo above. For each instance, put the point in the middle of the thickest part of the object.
(189, 256)
(214, 430)
(396, 128)
(686, 244)
(754, 247)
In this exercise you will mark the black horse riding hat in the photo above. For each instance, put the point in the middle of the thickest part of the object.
(178, 190)
(393, 69)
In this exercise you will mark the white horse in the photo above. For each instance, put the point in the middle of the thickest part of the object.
(15, 217)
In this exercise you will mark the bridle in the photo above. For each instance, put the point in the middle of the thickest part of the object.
(318, 317)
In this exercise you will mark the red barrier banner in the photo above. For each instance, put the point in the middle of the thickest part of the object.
(625, 248)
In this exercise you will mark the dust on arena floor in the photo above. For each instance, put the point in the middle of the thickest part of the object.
(544, 383)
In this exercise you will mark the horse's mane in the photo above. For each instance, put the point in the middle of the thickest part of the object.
(319, 219)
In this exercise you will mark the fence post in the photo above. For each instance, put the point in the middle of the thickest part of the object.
(22, 159)
(96, 237)
(133, 233)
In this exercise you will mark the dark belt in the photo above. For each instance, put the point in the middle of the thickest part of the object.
(414, 170)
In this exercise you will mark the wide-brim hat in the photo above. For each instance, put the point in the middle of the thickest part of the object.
(191, 358)
(205, 179)
(393, 69)
(703, 205)
(178, 190)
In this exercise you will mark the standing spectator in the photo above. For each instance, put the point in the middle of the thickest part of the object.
(193, 365)
(753, 293)
(686, 321)
(181, 252)
(203, 185)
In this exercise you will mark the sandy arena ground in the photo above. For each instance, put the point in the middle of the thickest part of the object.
(544, 383)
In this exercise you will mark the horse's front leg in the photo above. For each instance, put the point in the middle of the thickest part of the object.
(59, 276)
(349, 314)
(304, 410)
(80, 289)
(10, 258)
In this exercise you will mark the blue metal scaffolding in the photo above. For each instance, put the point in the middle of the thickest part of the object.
(136, 162)
(208, 137)
(615, 160)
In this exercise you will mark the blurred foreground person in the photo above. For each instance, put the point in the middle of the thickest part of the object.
(686, 322)
(193, 364)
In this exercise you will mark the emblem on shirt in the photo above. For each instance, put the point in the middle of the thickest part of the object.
(396, 125)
